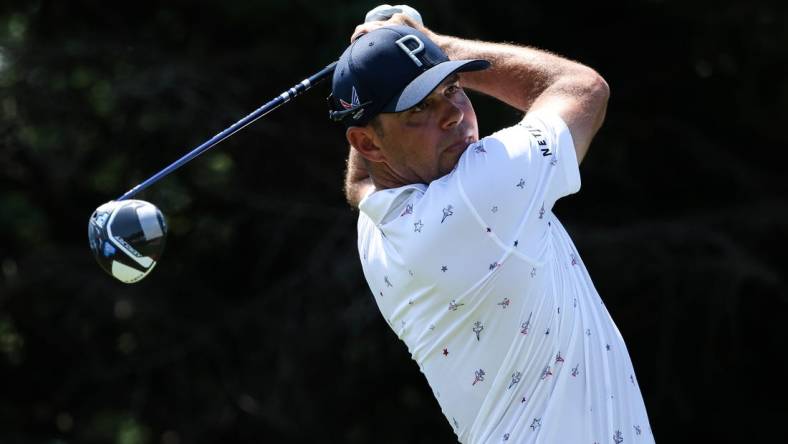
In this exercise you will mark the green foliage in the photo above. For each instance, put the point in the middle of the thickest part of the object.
(25, 219)
(11, 342)
(257, 325)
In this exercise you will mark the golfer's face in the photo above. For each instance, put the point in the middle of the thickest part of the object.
(426, 141)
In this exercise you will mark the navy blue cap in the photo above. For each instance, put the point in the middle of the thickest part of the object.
(388, 70)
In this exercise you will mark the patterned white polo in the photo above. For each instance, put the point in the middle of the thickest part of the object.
(479, 279)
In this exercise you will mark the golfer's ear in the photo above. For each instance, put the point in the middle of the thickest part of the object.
(365, 141)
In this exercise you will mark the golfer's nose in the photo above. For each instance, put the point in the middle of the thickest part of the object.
(452, 113)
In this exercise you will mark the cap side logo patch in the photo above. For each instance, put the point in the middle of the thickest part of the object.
(354, 102)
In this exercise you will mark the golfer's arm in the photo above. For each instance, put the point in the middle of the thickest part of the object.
(357, 180)
(530, 80)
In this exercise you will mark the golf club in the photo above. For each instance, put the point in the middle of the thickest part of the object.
(127, 235)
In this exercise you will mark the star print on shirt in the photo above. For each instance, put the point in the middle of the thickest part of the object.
(408, 210)
(477, 328)
(504, 303)
(541, 211)
(574, 259)
(478, 376)
(554, 161)
(506, 437)
(445, 352)
(546, 373)
(536, 424)
(453, 306)
(533, 272)
(494, 209)
(387, 281)
(617, 437)
(521, 184)
(558, 358)
(417, 226)
(525, 325)
(637, 430)
(575, 371)
(448, 211)
(444, 268)
(479, 149)
(516, 242)
(515, 379)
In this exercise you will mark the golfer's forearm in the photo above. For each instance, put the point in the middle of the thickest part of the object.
(518, 75)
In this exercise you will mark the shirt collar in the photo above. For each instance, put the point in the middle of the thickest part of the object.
(379, 204)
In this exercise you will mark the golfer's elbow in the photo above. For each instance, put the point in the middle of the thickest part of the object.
(591, 93)
(600, 93)
(596, 93)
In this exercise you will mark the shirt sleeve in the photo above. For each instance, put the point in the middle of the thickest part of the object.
(517, 174)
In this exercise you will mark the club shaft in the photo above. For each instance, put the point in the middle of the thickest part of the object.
(281, 99)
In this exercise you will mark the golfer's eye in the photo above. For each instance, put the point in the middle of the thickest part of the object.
(453, 89)
(421, 106)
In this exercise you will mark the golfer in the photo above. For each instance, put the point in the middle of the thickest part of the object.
(458, 241)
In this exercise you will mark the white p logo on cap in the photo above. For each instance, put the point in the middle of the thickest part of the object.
(411, 52)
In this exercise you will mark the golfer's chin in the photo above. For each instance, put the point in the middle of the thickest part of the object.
(449, 160)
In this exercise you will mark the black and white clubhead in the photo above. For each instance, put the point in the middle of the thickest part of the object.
(127, 238)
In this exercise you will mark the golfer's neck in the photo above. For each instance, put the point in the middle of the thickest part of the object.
(383, 177)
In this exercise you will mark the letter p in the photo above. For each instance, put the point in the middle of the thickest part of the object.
(411, 52)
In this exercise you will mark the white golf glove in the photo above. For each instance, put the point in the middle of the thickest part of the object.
(384, 12)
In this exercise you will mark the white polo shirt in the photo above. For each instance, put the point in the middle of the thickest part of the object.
(479, 279)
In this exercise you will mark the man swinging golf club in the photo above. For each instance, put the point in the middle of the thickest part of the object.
(458, 241)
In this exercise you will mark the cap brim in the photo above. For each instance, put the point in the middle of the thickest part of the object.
(427, 81)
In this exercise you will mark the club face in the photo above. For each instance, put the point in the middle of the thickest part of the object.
(127, 238)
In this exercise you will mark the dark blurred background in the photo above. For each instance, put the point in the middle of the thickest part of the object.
(257, 325)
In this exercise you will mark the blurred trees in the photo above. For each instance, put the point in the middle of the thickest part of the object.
(257, 325)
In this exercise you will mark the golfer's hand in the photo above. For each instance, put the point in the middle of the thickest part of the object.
(396, 19)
